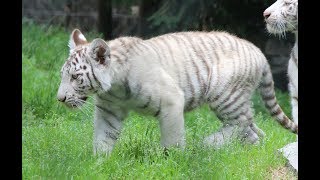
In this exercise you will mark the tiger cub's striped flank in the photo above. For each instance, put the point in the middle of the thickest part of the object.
(166, 76)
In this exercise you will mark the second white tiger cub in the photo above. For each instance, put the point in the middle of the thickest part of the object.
(282, 17)
(166, 76)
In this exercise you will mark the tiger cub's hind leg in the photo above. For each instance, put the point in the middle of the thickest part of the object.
(237, 123)
(249, 115)
(221, 137)
(250, 133)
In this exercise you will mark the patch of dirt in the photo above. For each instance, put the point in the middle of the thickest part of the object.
(282, 173)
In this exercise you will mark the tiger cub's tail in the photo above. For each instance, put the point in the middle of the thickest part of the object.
(270, 101)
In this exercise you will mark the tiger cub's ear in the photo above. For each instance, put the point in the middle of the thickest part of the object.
(76, 38)
(99, 51)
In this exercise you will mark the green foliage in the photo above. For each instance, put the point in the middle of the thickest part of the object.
(57, 142)
(243, 17)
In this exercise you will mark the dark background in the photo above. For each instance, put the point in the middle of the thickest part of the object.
(148, 18)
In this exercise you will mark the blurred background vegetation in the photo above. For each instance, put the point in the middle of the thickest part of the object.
(148, 18)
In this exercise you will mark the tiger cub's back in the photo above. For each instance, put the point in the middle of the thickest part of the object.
(204, 64)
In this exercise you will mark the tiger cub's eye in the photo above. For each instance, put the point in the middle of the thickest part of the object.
(75, 76)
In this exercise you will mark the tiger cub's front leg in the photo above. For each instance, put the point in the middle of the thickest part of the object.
(171, 121)
(107, 128)
(168, 100)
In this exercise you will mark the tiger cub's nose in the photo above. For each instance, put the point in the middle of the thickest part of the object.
(266, 14)
(62, 98)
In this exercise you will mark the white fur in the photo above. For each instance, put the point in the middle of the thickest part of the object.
(71, 44)
(81, 36)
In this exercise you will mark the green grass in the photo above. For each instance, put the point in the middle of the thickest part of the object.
(57, 142)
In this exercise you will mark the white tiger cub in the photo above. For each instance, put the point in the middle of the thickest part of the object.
(282, 17)
(166, 76)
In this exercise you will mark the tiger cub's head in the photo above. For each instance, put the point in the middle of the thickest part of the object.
(282, 16)
(86, 70)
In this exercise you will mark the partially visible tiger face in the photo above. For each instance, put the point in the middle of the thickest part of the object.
(282, 16)
(81, 73)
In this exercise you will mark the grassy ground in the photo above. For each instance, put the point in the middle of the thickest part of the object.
(57, 142)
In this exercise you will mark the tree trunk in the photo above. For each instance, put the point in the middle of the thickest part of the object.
(147, 8)
(105, 18)
(67, 10)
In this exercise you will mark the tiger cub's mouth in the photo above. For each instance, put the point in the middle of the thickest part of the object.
(75, 103)
(279, 28)
(84, 98)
